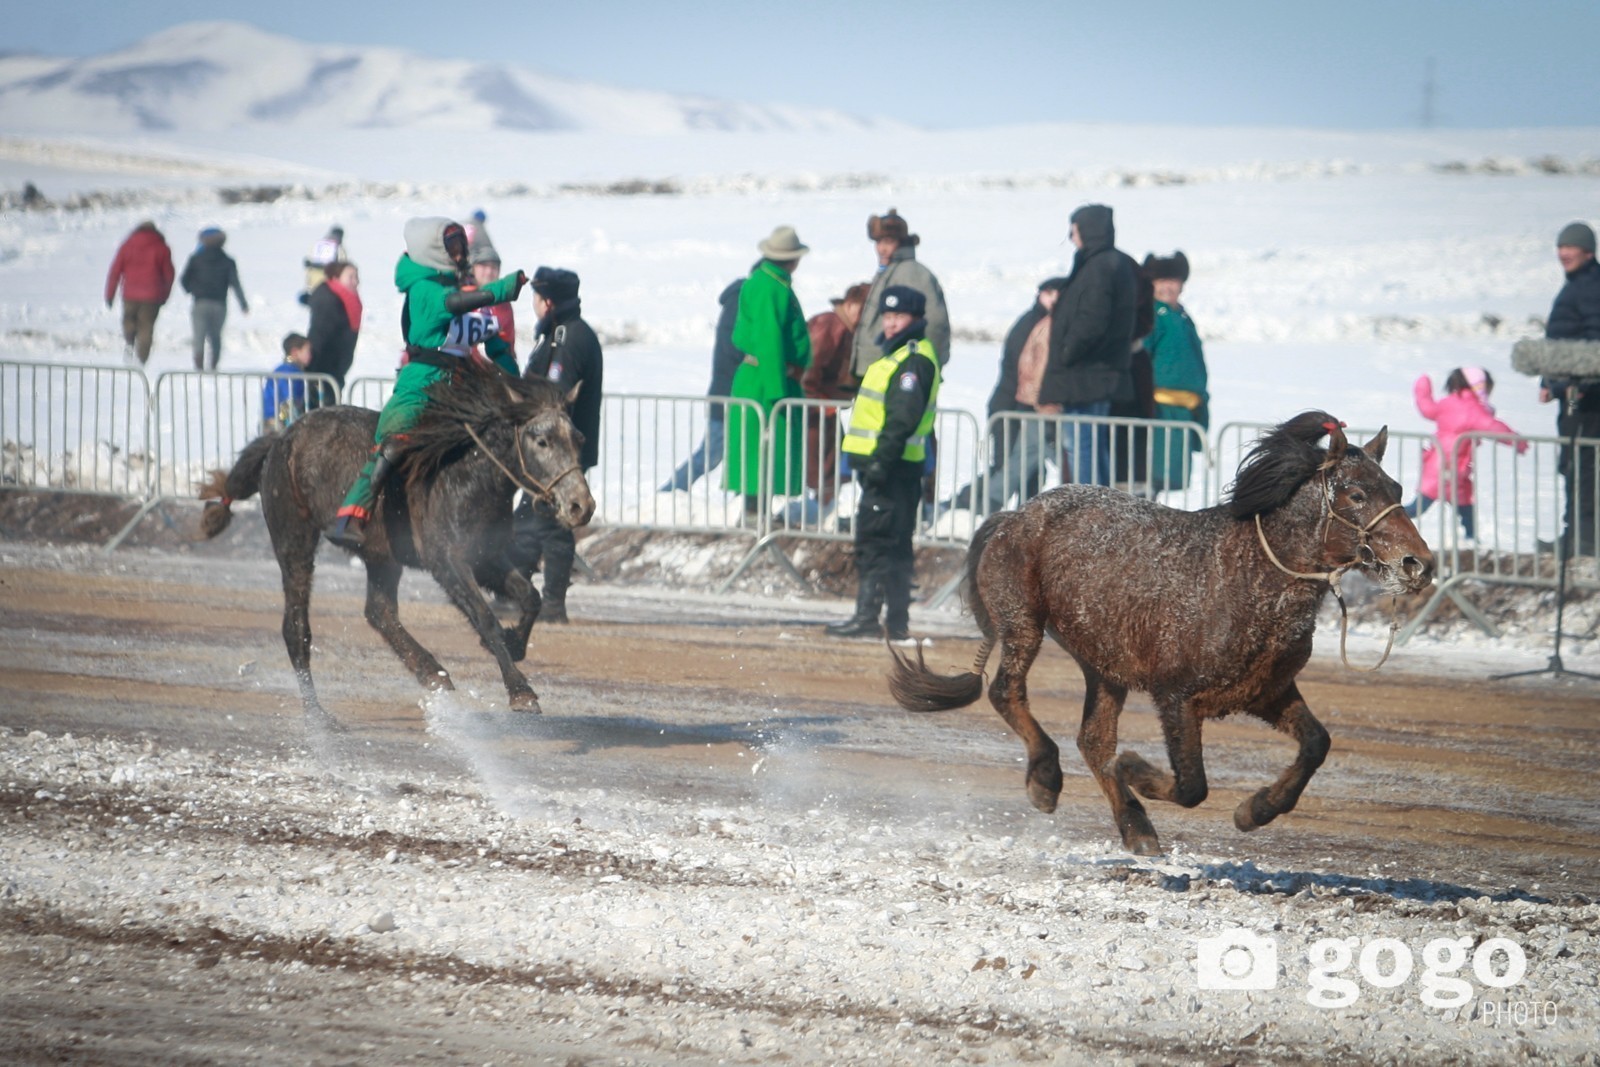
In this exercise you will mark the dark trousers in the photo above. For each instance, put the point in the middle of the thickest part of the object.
(539, 541)
(885, 524)
(139, 325)
(1582, 476)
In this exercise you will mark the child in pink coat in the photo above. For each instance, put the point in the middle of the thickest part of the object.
(1463, 409)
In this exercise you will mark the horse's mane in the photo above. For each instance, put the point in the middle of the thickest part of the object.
(477, 395)
(1281, 462)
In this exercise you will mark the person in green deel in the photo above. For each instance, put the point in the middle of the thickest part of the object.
(442, 322)
(770, 329)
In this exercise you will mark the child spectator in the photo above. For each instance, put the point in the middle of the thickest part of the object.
(283, 399)
(1464, 409)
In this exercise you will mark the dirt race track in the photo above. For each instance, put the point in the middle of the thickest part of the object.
(722, 843)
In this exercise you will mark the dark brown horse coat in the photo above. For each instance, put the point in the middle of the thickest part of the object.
(1186, 606)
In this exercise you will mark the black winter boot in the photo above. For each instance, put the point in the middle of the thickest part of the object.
(869, 600)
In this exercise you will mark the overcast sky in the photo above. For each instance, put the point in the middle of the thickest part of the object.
(942, 64)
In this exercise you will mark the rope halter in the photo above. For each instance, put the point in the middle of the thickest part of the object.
(1364, 556)
(528, 483)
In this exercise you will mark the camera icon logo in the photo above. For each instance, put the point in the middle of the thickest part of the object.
(1237, 959)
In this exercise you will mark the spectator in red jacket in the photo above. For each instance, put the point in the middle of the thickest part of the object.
(143, 268)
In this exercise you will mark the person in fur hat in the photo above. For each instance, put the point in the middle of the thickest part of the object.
(896, 246)
(1178, 368)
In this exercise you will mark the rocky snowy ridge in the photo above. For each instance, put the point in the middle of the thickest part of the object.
(225, 75)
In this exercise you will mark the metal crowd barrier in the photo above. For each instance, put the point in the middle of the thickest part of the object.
(107, 430)
(367, 392)
(200, 421)
(76, 427)
(1519, 515)
(646, 439)
(1028, 453)
(808, 493)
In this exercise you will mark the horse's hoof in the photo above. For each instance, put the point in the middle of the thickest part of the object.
(1254, 812)
(1043, 797)
(527, 702)
(317, 718)
(1143, 844)
(438, 682)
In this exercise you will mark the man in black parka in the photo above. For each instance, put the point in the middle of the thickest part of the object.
(568, 354)
(1091, 340)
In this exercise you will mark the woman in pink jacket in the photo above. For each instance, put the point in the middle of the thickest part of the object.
(1463, 409)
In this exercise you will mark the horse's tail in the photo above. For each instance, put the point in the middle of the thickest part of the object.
(971, 594)
(914, 686)
(241, 483)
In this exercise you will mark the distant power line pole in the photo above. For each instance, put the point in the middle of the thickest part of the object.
(1429, 88)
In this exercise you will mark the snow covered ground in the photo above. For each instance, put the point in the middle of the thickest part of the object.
(1329, 270)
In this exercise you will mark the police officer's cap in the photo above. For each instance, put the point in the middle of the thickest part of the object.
(905, 299)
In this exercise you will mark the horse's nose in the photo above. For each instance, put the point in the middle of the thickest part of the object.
(1418, 569)
(580, 509)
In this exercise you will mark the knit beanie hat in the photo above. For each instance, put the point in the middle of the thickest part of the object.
(1576, 235)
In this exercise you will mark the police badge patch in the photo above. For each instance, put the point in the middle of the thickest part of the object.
(908, 382)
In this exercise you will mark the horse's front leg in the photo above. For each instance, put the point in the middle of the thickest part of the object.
(455, 575)
(383, 615)
(1291, 715)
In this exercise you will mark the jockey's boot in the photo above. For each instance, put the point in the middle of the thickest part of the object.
(349, 526)
(869, 600)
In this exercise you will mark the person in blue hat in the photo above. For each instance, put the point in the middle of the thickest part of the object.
(887, 442)
(208, 277)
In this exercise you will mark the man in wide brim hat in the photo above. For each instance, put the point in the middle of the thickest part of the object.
(782, 246)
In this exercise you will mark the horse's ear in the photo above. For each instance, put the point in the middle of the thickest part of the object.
(1376, 446)
(572, 394)
(1338, 444)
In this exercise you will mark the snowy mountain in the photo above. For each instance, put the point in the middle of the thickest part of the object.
(204, 76)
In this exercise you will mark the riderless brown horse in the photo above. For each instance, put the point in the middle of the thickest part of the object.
(446, 508)
(1210, 612)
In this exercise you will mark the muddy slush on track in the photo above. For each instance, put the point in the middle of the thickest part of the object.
(722, 843)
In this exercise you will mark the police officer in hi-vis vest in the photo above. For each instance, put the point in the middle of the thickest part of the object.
(887, 443)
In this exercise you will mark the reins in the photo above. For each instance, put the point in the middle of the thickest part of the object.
(1336, 575)
(528, 483)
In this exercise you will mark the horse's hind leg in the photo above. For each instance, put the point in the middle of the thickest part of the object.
(1293, 717)
(296, 563)
(383, 615)
(1186, 784)
(1097, 742)
(1009, 695)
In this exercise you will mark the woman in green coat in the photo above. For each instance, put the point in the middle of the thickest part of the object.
(770, 329)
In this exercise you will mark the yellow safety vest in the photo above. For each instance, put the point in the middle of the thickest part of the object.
(869, 412)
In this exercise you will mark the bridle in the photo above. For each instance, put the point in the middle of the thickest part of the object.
(527, 483)
(1364, 556)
